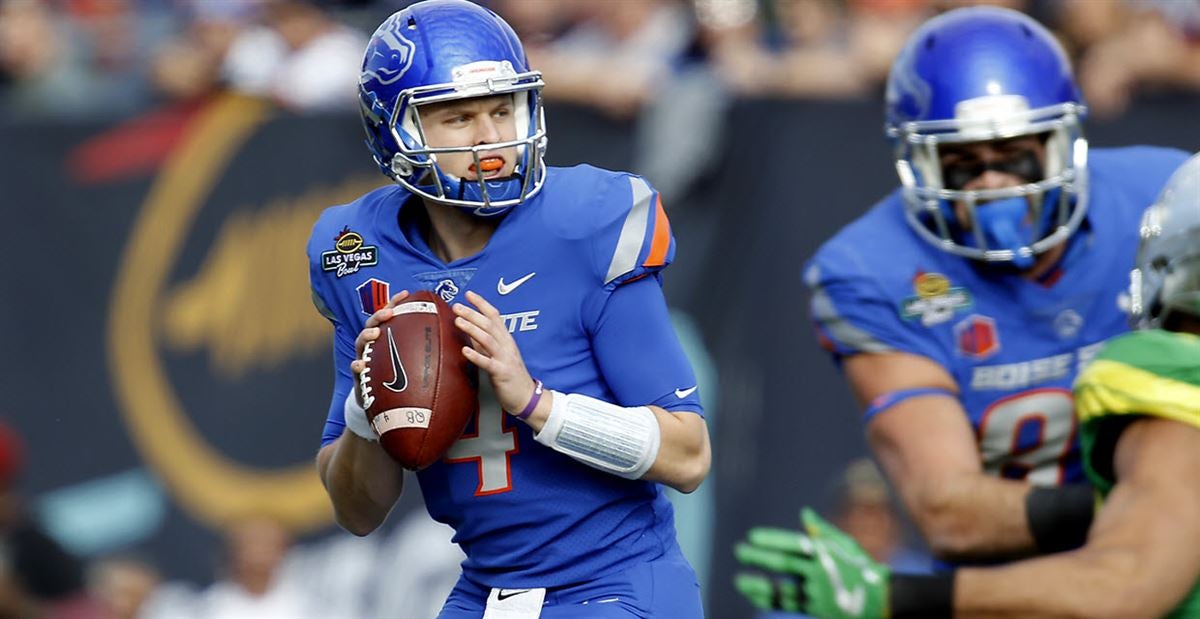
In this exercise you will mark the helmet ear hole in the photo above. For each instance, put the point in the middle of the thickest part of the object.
(401, 166)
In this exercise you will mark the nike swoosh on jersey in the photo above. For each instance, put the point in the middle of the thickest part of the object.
(683, 393)
(504, 288)
(504, 595)
(400, 382)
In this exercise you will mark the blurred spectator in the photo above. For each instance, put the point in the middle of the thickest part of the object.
(37, 577)
(1084, 23)
(189, 66)
(866, 512)
(115, 37)
(864, 509)
(878, 31)
(815, 59)
(341, 576)
(42, 73)
(121, 585)
(82, 60)
(303, 58)
(255, 548)
(1156, 46)
(1016, 5)
(824, 49)
(615, 56)
(633, 62)
(539, 22)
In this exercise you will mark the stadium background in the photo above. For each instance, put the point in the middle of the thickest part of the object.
(167, 375)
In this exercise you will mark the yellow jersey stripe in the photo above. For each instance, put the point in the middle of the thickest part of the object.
(1112, 388)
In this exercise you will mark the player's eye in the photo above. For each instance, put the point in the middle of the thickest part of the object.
(1023, 164)
(956, 174)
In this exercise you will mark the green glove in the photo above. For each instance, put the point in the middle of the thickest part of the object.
(824, 573)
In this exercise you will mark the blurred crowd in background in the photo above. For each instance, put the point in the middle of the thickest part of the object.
(669, 66)
(76, 59)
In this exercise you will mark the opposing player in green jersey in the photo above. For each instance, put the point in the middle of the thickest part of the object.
(1139, 409)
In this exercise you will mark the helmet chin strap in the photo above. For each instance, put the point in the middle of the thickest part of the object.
(1005, 225)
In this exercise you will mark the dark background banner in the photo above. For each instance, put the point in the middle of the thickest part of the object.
(166, 369)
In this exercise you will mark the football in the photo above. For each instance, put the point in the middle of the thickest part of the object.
(418, 389)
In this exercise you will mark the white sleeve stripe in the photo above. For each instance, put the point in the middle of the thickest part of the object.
(322, 307)
(827, 316)
(633, 232)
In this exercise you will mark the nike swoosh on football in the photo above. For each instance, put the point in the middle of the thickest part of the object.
(683, 393)
(504, 595)
(400, 382)
(504, 288)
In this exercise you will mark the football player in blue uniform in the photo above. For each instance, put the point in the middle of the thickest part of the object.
(1140, 432)
(554, 273)
(962, 306)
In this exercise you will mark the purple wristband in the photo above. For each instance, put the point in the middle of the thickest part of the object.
(533, 401)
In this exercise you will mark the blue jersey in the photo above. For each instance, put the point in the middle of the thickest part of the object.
(1013, 346)
(575, 273)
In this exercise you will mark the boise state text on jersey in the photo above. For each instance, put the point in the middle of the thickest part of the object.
(527, 516)
(1013, 346)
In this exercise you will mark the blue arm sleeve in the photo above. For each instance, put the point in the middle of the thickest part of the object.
(638, 352)
(343, 354)
(343, 382)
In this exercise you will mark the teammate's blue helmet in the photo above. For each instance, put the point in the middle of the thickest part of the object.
(442, 50)
(978, 74)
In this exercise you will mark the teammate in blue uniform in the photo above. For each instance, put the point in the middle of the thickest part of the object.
(1140, 433)
(961, 307)
(554, 273)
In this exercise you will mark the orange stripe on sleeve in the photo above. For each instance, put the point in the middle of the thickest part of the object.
(662, 237)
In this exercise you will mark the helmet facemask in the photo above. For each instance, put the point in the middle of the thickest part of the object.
(1010, 224)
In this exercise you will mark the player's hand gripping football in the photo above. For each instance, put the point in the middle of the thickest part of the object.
(823, 572)
(370, 332)
(494, 351)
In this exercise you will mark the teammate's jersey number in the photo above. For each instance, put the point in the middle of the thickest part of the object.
(490, 446)
(1029, 436)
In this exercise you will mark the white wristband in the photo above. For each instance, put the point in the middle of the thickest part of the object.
(356, 419)
(615, 439)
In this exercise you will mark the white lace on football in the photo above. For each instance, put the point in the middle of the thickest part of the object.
(356, 414)
(364, 379)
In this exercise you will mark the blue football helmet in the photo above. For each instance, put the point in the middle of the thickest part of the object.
(979, 74)
(1166, 279)
(442, 50)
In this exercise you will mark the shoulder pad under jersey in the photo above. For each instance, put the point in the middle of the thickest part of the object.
(1151, 372)
(617, 216)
